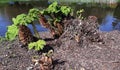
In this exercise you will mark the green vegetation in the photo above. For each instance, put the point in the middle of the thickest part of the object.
(20, 20)
(33, 14)
(56, 15)
(65, 10)
(55, 11)
(24, 19)
(79, 14)
(12, 32)
(39, 45)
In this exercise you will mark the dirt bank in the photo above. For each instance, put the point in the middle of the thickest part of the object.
(95, 50)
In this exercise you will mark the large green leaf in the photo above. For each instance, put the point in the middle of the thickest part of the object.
(31, 45)
(20, 20)
(39, 45)
(53, 8)
(34, 13)
(65, 10)
(15, 21)
(12, 32)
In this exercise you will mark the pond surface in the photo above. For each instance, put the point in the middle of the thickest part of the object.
(108, 15)
(12, 9)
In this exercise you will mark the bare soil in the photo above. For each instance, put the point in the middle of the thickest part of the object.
(95, 50)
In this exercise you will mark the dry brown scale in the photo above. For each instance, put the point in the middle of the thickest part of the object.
(45, 23)
(46, 63)
(25, 35)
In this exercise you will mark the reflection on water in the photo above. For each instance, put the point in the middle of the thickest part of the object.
(39, 28)
(108, 15)
(4, 21)
(110, 23)
(112, 20)
(107, 23)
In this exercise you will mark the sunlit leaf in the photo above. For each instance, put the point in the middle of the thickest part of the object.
(65, 10)
(12, 32)
(39, 45)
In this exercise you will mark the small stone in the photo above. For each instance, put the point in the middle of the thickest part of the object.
(82, 68)
(29, 68)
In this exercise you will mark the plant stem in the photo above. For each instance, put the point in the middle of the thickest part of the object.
(35, 31)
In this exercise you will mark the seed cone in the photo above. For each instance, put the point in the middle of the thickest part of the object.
(46, 63)
(25, 35)
(43, 21)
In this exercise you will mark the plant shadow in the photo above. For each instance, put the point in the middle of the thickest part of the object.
(46, 49)
(49, 39)
(58, 62)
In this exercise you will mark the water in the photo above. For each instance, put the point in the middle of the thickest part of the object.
(108, 15)
(10, 10)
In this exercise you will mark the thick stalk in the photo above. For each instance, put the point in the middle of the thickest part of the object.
(35, 31)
